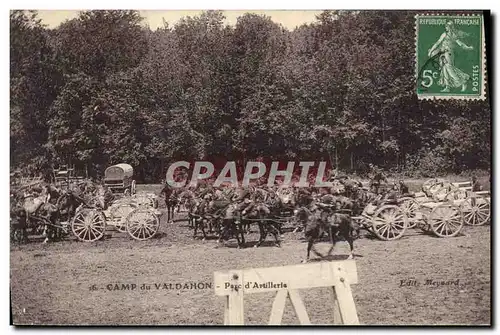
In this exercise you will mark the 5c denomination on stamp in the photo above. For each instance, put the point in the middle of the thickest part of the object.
(450, 57)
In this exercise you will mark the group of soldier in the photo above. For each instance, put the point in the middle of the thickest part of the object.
(347, 192)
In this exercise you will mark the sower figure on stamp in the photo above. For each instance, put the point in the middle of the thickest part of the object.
(451, 76)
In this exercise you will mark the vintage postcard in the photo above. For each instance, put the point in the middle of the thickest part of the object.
(271, 167)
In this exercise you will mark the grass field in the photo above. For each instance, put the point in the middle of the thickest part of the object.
(50, 284)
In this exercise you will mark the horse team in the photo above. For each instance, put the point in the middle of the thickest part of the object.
(224, 212)
(45, 208)
(229, 212)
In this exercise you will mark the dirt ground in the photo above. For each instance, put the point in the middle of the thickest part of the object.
(74, 283)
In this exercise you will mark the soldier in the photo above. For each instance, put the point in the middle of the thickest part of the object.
(350, 186)
(403, 188)
(304, 196)
(377, 177)
(392, 194)
(327, 202)
(476, 186)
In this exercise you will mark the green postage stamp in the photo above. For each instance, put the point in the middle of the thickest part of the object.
(450, 56)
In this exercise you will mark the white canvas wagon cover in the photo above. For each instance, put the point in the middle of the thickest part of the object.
(119, 172)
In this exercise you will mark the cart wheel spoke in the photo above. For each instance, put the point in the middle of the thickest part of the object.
(92, 236)
(457, 220)
(381, 228)
(453, 225)
(393, 231)
(95, 231)
(384, 232)
(78, 229)
(468, 216)
(439, 226)
(443, 226)
(136, 229)
(389, 222)
(446, 220)
(483, 205)
(79, 220)
(476, 210)
(81, 232)
(379, 222)
(399, 225)
(482, 216)
(88, 225)
(151, 231)
(142, 223)
(87, 231)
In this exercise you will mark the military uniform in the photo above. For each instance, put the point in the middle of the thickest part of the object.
(327, 199)
(377, 178)
(476, 186)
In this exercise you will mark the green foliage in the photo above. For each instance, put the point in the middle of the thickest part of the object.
(34, 84)
(101, 42)
(102, 89)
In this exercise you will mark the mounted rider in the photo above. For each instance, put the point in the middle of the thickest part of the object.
(377, 176)
(250, 198)
(325, 206)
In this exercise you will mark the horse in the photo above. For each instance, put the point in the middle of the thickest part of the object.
(190, 202)
(38, 208)
(69, 202)
(261, 213)
(210, 212)
(281, 202)
(171, 200)
(335, 224)
(232, 224)
(198, 217)
(18, 220)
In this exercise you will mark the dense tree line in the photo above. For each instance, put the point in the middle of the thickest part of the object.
(102, 89)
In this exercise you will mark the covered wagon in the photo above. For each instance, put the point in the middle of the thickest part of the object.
(119, 178)
(130, 212)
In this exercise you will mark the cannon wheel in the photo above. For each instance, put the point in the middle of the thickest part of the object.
(446, 220)
(88, 225)
(142, 223)
(389, 223)
(120, 212)
(476, 210)
(410, 206)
